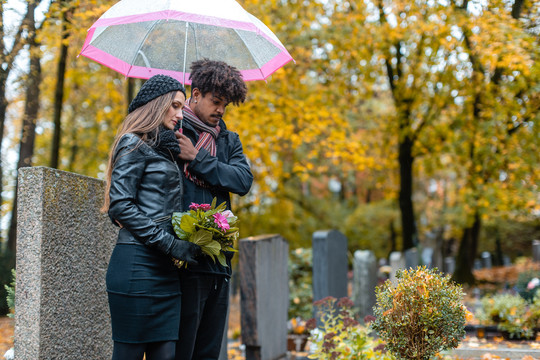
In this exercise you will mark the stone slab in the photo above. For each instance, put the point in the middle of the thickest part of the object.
(364, 281)
(63, 249)
(330, 264)
(264, 296)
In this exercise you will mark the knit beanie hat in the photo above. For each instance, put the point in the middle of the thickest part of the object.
(154, 87)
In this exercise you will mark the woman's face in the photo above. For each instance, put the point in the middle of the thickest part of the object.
(174, 114)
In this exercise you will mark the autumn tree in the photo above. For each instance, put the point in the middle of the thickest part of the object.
(498, 142)
(17, 38)
(64, 10)
(31, 110)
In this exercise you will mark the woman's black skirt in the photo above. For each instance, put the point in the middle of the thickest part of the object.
(144, 295)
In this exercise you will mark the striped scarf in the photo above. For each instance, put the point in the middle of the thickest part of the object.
(207, 140)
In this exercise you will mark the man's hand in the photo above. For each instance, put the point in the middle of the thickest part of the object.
(188, 151)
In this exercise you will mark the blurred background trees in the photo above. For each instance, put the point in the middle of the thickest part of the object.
(401, 123)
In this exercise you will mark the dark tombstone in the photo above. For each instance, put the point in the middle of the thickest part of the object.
(477, 265)
(364, 281)
(411, 258)
(264, 296)
(536, 250)
(330, 264)
(427, 257)
(397, 262)
(449, 265)
(486, 260)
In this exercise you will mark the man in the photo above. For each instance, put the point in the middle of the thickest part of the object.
(214, 165)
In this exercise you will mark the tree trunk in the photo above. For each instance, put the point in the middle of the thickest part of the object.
(74, 150)
(3, 110)
(405, 194)
(517, 6)
(393, 236)
(467, 252)
(26, 150)
(59, 92)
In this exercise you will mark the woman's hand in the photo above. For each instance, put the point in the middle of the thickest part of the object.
(188, 152)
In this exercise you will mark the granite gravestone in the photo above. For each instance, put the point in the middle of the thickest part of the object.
(264, 296)
(397, 261)
(63, 249)
(330, 264)
(536, 250)
(364, 281)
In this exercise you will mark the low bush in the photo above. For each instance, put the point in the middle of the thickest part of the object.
(340, 336)
(421, 315)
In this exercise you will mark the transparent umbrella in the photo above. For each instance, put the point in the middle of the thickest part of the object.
(142, 38)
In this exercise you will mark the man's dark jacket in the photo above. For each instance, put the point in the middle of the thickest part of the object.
(227, 172)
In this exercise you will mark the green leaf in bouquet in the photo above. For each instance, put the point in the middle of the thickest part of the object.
(213, 247)
(177, 226)
(187, 223)
(222, 260)
(231, 231)
(222, 206)
(201, 238)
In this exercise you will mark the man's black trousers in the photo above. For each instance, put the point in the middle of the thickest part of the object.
(205, 299)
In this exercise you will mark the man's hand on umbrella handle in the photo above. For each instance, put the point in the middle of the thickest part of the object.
(188, 151)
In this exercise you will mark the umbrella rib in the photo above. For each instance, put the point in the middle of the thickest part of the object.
(185, 54)
(140, 46)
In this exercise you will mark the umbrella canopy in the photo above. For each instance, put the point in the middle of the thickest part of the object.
(142, 38)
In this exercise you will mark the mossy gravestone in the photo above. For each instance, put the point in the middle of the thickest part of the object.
(63, 249)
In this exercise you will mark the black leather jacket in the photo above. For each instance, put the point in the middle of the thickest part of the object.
(146, 189)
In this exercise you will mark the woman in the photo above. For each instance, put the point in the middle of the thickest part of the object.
(144, 188)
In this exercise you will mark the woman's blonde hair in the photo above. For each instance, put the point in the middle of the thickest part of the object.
(143, 122)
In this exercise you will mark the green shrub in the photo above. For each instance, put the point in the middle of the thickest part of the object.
(340, 336)
(10, 297)
(421, 315)
(511, 313)
(300, 284)
(6, 267)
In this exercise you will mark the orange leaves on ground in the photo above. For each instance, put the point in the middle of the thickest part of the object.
(6, 334)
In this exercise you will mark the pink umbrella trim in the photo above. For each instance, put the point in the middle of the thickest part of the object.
(142, 72)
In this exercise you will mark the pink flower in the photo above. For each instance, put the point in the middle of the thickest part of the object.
(533, 283)
(228, 213)
(203, 207)
(221, 221)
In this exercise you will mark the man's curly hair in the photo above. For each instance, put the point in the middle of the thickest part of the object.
(218, 78)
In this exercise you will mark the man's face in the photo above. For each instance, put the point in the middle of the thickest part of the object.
(209, 108)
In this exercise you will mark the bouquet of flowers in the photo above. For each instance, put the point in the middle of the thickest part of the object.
(212, 228)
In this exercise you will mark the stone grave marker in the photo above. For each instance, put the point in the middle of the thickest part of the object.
(449, 265)
(486, 260)
(411, 258)
(536, 250)
(397, 261)
(330, 264)
(264, 296)
(364, 281)
(63, 249)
